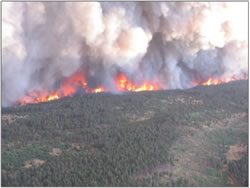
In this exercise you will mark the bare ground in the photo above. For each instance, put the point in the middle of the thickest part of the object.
(34, 163)
(12, 118)
(147, 115)
(236, 152)
(55, 152)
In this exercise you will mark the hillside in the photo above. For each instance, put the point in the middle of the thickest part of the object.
(192, 137)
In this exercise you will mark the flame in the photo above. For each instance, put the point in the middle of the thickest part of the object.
(43, 97)
(53, 97)
(212, 81)
(72, 84)
(69, 88)
(98, 90)
(124, 84)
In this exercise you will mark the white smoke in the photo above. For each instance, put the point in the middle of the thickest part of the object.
(171, 42)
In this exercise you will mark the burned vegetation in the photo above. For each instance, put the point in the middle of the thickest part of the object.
(192, 137)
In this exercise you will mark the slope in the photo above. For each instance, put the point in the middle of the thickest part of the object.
(192, 137)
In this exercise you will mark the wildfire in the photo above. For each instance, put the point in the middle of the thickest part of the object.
(43, 97)
(124, 84)
(71, 85)
(98, 90)
(53, 97)
(212, 81)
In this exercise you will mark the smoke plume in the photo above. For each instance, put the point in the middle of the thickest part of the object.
(172, 43)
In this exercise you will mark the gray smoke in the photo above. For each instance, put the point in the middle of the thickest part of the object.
(173, 43)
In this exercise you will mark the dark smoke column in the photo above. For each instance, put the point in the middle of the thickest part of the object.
(173, 43)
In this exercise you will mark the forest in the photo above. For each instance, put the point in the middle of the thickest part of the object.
(191, 137)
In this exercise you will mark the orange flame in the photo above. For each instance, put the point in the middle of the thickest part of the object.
(124, 84)
(71, 85)
(42, 98)
(212, 81)
(53, 97)
(68, 88)
(98, 90)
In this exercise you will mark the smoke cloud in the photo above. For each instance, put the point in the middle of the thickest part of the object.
(173, 43)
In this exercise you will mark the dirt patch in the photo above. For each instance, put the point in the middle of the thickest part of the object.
(173, 100)
(227, 122)
(34, 163)
(180, 99)
(236, 152)
(12, 118)
(76, 146)
(56, 152)
(195, 101)
(147, 115)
